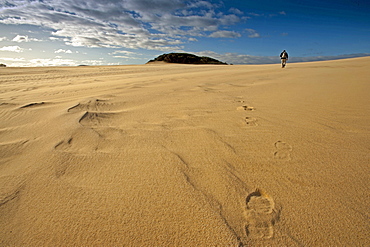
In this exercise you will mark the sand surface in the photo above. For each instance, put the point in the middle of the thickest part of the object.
(186, 155)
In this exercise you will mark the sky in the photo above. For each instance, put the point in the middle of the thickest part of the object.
(123, 32)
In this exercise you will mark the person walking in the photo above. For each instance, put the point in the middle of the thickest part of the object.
(284, 58)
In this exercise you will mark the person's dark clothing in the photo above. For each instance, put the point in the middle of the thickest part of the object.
(284, 54)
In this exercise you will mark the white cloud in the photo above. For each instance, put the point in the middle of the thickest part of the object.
(126, 57)
(252, 33)
(225, 34)
(154, 25)
(55, 39)
(20, 38)
(63, 51)
(12, 49)
(23, 38)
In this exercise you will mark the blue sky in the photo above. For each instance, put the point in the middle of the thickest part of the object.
(119, 32)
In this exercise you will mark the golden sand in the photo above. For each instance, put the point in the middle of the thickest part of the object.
(186, 155)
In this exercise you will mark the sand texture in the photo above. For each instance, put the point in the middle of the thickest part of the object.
(186, 155)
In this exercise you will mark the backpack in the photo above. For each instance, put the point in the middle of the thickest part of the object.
(283, 55)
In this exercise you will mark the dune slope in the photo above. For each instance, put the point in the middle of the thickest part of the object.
(186, 155)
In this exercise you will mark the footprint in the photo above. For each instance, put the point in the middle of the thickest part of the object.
(64, 145)
(91, 119)
(5, 104)
(251, 121)
(5, 198)
(109, 133)
(98, 127)
(240, 99)
(246, 108)
(261, 215)
(83, 140)
(90, 105)
(283, 151)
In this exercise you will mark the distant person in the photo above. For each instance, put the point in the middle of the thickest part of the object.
(284, 58)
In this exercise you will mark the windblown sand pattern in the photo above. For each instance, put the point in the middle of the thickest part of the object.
(171, 155)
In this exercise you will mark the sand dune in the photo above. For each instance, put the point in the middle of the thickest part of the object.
(186, 155)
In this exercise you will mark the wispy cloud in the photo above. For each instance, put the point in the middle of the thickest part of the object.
(12, 49)
(236, 11)
(12, 59)
(255, 14)
(252, 33)
(125, 52)
(52, 62)
(38, 62)
(225, 34)
(154, 25)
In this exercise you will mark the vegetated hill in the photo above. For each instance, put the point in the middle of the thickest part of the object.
(185, 58)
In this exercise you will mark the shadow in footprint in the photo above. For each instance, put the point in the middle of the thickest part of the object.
(250, 121)
(246, 108)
